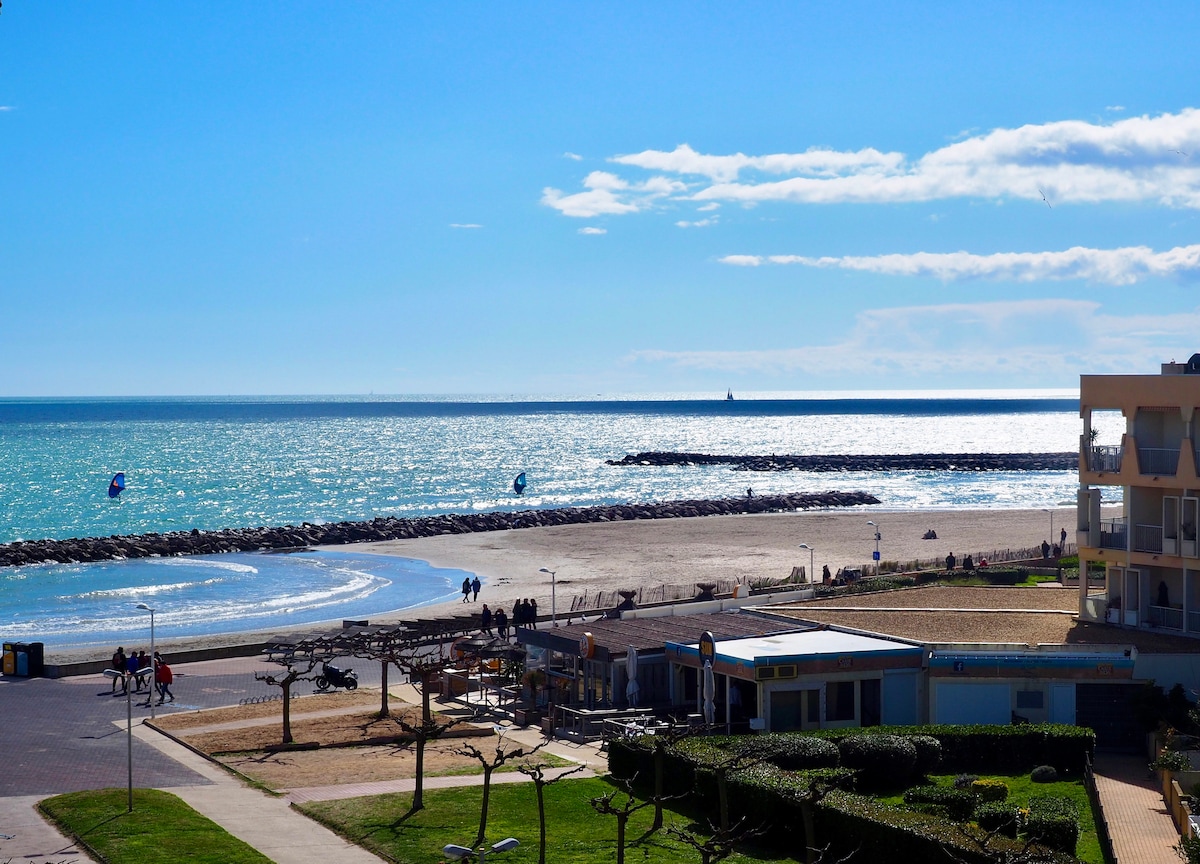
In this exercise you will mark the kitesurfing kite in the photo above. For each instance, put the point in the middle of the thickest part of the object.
(519, 483)
(117, 486)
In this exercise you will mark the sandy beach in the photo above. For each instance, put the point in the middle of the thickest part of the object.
(618, 555)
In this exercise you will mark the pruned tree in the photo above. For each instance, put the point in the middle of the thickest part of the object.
(536, 771)
(719, 843)
(662, 741)
(298, 666)
(498, 757)
(980, 842)
(735, 760)
(422, 665)
(605, 806)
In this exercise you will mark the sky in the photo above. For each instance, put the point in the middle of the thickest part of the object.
(229, 198)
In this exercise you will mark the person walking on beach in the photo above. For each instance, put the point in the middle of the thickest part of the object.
(118, 663)
(475, 586)
(466, 589)
(163, 679)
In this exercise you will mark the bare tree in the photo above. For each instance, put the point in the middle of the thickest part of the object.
(536, 771)
(423, 667)
(499, 756)
(662, 741)
(719, 843)
(604, 805)
(298, 666)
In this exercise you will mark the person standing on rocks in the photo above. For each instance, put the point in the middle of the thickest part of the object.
(466, 589)
(475, 586)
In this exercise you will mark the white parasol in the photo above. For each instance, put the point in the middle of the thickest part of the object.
(632, 688)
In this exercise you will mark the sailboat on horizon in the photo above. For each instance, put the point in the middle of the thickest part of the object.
(729, 395)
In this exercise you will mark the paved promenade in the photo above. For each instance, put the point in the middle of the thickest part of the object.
(1142, 830)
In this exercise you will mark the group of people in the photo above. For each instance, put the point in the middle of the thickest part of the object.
(524, 614)
(137, 668)
(470, 589)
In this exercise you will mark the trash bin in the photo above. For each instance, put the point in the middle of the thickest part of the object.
(30, 659)
(9, 659)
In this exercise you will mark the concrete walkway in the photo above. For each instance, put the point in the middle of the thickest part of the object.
(33, 838)
(1142, 830)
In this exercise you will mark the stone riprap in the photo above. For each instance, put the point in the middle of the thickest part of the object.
(197, 542)
(889, 462)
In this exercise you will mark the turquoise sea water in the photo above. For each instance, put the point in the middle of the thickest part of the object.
(221, 463)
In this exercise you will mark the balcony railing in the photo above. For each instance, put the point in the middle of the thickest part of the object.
(1105, 458)
(1193, 622)
(1147, 538)
(1165, 617)
(1114, 534)
(1158, 460)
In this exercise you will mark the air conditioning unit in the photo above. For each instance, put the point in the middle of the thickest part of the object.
(774, 673)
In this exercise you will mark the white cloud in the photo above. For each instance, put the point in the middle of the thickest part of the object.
(711, 205)
(573, 156)
(1114, 108)
(590, 230)
(465, 225)
(1123, 266)
(6, 108)
(699, 223)
(1072, 161)
(923, 343)
(608, 194)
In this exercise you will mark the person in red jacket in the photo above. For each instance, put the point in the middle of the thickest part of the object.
(163, 678)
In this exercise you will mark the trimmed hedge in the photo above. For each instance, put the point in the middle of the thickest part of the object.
(990, 790)
(929, 754)
(957, 804)
(1053, 821)
(1000, 817)
(793, 752)
(883, 761)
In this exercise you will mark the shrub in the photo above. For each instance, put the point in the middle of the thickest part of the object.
(881, 760)
(1054, 822)
(794, 752)
(1043, 774)
(957, 804)
(929, 754)
(998, 817)
(990, 791)
(963, 781)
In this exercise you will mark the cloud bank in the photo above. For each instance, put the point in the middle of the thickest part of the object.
(1123, 266)
(1137, 159)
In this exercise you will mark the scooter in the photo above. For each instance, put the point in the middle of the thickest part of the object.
(337, 677)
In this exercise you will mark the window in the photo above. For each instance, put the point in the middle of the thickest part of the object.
(1033, 700)
(839, 701)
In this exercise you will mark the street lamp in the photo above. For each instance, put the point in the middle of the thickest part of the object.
(878, 537)
(1051, 512)
(153, 671)
(553, 604)
(455, 851)
(811, 566)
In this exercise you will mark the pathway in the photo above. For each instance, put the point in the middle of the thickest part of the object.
(1142, 830)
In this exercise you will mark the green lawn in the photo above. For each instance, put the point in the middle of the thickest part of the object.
(576, 834)
(1020, 788)
(162, 829)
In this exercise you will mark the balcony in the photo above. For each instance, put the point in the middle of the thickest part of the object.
(1193, 622)
(1165, 617)
(1114, 534)
(1105, 459)
(1147, 538)
(1158, 460)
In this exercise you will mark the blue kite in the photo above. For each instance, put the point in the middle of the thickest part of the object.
(117, 486)
(519, 483)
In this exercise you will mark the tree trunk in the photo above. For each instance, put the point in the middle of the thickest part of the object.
(418, 802)
(723, 795)
(810, 840)
(483, 808)
(383, 689)
(622, 818)
(660, 759)
(541, 802)
(287, 711)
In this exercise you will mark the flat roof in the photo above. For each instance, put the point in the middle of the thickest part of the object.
(807, 644)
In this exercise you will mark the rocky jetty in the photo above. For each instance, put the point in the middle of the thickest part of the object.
(197, 542)
(890, 462)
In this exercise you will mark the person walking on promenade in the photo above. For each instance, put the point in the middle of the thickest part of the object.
(485, 620)
(466, 589)
(531, 619)
(163, 679)
(131, 671)
(118, 663)
(1062, 540)
(475, 586)
(501, 624)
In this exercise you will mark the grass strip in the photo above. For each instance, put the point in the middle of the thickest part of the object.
(161, 829)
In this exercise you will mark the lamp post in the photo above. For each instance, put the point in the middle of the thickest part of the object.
(455, 851)
(811, 566)
(1051, 512)
(553, 603)
(878, 537)
(153, 671)
(129, 739)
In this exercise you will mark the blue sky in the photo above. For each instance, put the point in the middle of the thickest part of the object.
(291, 198)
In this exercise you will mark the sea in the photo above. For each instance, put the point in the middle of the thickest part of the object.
(213, 463)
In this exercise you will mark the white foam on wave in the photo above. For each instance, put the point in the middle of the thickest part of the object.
(232, 566)
(139, 590)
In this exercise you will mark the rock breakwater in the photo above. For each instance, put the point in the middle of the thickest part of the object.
(197, 542)
(889, 462)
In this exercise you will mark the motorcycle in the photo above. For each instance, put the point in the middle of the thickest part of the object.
(337, 677)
